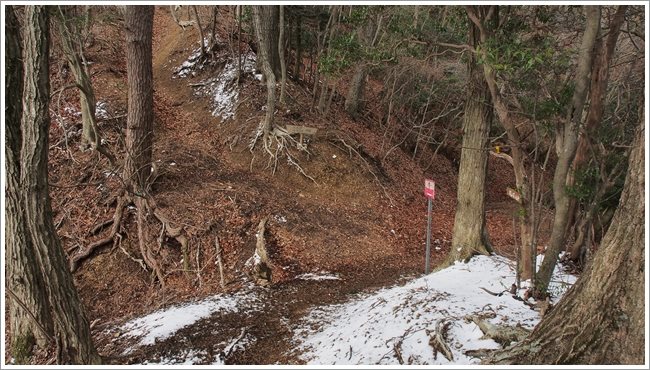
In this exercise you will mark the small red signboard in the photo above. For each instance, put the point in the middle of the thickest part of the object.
(430, 189)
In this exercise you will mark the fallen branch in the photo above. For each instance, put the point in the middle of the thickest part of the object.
(219, 262)
(437, 340)
(502, 334)
(261, 273)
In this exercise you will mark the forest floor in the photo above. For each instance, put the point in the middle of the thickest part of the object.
(358, 226)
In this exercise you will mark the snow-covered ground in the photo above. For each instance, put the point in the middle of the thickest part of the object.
(164, 323)
(385, 327)
(379, 328)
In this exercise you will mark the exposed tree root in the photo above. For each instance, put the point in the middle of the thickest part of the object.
(278, 144)
(146, 205)
(82, 254)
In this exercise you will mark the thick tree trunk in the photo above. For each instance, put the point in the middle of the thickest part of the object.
(265, 52)
(269, 31)
(139, 122)
(72, 330)
(567, 140)
(601, 320)
(469, 233)
(23, 277)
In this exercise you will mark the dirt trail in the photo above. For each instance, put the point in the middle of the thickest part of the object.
(344, 223)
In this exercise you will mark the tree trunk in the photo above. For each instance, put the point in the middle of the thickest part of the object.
(597, 95)
(23, 277)
(601, 320)
(139, 122)
(199, 27)
(265, 52)
(566, 142)
(354, 97)
(469, 233)
(72, 330)
(296, 67)
(269, 32)
(283, 64)
(70, 31)
(525, 254)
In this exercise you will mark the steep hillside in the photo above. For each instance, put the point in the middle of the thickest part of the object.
(352, 211)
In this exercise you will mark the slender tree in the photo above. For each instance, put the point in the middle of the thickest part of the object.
(469, 233)
(566, 144)
(283, 64)
(70, 328)
(601, 320)
(265, 55)
(70, 29)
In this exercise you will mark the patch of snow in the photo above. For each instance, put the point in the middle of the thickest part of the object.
(366, 330)
(223, 90)
(72, 111)
(279, 218)
(318, 277)
(164, 323)
(101, 110)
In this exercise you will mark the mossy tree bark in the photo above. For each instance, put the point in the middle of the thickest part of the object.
(469, 233)
(601, 320)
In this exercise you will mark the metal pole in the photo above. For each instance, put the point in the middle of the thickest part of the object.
(428, 253)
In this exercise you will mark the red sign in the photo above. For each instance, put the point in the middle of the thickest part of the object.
(430, 189)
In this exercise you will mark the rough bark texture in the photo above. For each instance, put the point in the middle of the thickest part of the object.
(22, 278)
(601, 320)
(139, 121)
(268, 28)
(265, 53)
(469, 233)
(71, 326)
(566, 142)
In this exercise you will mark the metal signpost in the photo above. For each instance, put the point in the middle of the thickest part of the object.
(430, 193)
